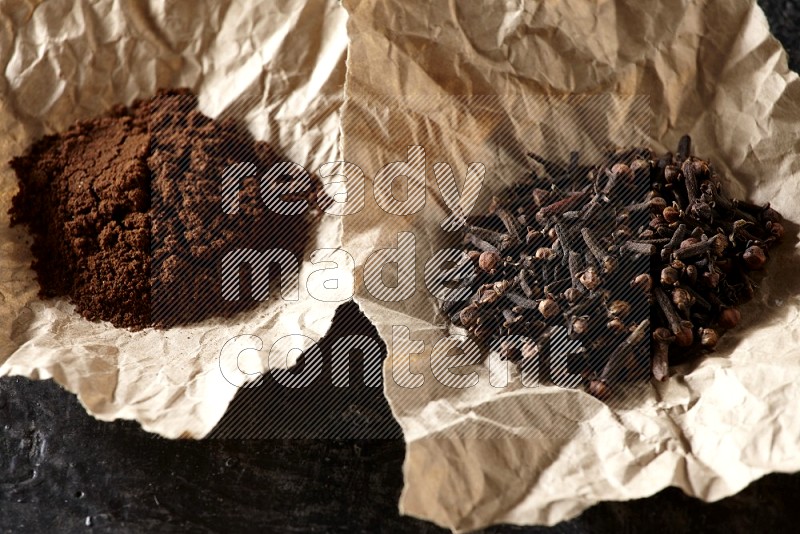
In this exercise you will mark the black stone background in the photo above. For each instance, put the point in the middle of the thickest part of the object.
(63, 471)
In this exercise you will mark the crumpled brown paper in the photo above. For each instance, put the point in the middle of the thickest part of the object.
(710, 69)
(277, 65)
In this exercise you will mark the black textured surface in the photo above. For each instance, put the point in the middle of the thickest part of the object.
(62, 471)
(784, 22)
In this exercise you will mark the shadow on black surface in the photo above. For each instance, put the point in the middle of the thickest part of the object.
(322, 409)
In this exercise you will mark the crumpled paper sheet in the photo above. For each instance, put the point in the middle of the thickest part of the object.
(710, 69)
(277, 65)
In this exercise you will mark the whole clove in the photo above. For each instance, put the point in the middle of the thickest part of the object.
(643, 278)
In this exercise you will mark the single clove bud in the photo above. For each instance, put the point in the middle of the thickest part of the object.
(669, 276)
(671, 214)
(508, 220)
(708, 338)
(669, 312)
(549, 308)
(579, 325)
(616, 325)
(607, 262)
(572, 294)
(683, 300)
(544, 253)
(674, 241)
(619, 308)
(489, 261)
(684, 148)
(729, 318)
(643, 281)
(694, 248)
(590, 279)
(755, 258)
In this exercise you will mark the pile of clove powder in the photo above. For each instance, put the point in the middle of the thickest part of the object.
(615, 271)
(127, 218)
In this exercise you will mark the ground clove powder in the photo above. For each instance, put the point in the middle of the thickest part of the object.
(125, 211)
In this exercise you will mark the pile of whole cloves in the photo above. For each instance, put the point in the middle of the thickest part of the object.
(639, 261)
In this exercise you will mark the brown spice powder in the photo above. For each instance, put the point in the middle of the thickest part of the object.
(126, 213)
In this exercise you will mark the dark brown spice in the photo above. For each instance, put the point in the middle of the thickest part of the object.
(699, 248)
(126, 213)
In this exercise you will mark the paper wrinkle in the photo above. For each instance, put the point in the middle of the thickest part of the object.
(711, 70)
(275, 65)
